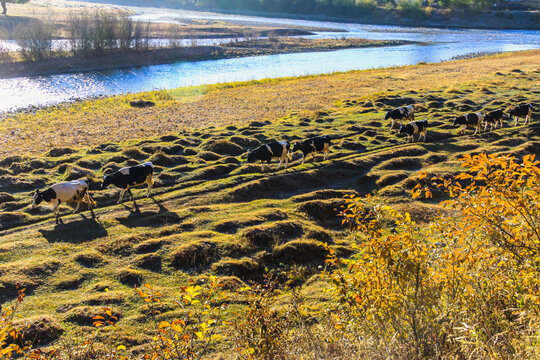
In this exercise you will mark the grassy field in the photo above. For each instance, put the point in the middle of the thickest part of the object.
(211, 213)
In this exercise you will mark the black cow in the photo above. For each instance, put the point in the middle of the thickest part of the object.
(469, 120)
(400, 113)
(493, 118)
(523, 110)
(128, 177)
(414, 127)
(267, 152)
(313, 146)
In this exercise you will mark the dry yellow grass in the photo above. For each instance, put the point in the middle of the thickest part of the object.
(111, 119)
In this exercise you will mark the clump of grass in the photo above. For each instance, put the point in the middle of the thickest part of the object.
(148, 262)
(89, 258)
(134, 153)
(129, 277)
(83, 315)
(39, 330)
(203, 252)
(300, 251)
(223, 147)
(323, 211)
(272, 234)
(245, 268)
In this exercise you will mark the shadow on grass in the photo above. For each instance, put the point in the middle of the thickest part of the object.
(136, 218)
(75, 232)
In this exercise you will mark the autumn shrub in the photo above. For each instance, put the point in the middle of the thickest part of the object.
(188, 337)
(464, 286)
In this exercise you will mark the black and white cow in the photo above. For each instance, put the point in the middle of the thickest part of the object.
(312, 146)
(523, 110)
(66, 192)
(399, 114)
(414, 127)
(493, 118)
(128, 177)
(469, 120)
(267, 152)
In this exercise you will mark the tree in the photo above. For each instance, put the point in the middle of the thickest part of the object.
(4, 7)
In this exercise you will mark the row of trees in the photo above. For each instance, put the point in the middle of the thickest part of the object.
(346, 8)
(93, 33)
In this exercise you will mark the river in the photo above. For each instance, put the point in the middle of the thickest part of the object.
(438, 45)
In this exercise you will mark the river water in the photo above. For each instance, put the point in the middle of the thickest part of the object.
(438, 45)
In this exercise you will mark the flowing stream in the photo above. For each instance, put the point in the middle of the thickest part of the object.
(437, 45)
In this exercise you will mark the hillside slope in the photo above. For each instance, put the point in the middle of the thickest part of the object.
(211, 213)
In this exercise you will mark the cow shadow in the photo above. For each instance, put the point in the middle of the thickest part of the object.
(138, 218)
(76, 231)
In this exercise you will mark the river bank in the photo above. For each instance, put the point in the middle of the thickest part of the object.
(120, 59)
(82, 123)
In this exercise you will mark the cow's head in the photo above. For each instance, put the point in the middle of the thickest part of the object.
(454, 121)
(387, 116)
(401, 129)
(107, 180)
(297, 146)
(36, 199)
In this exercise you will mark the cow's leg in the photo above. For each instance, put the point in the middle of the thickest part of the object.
(286, 161)
(56, 212)
(303, 158)
(77, 208)
(280, 161)
(88, 200)
(485, 127)
(121, 196)
(392, 126)
(149, 182)
(516, 120)
(475, 131)
(130, 194)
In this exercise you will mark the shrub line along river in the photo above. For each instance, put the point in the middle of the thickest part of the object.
(437, 45)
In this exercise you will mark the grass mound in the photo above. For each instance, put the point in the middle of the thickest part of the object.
(148, 261)
(300, 252)
(40, 330)
(223, 147)
(245, 268)
(11, 219)
(129, 277)
(83, 315)
(57, 152)
(272, 234)
(89, 258)
(323, 211)
(202, 253)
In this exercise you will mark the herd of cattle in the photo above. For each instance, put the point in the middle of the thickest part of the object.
(77, 191)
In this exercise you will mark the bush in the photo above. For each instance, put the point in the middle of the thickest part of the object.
(466, 285)
(35, 39)
(100, 32)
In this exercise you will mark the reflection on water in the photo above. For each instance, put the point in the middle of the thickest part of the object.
(440, 44)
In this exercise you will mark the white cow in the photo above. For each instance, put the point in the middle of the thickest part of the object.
(66, 192)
